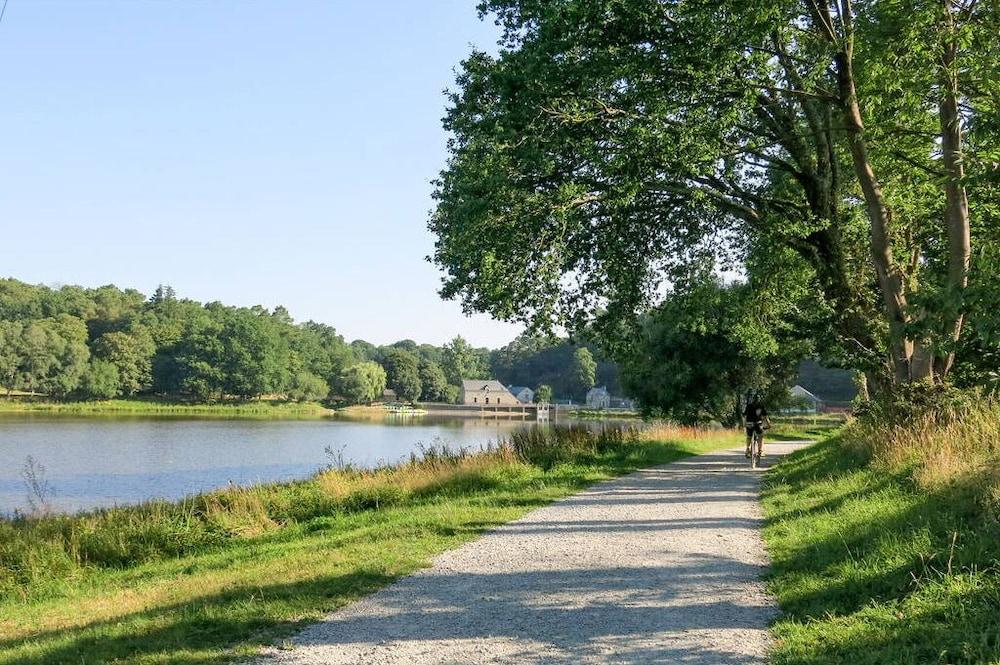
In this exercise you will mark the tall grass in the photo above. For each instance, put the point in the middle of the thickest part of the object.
(956, 444)
(38, 552)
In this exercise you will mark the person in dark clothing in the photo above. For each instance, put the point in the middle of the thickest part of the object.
(755, 420)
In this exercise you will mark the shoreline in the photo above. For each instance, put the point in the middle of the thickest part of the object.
(230, 572)
(141, 407)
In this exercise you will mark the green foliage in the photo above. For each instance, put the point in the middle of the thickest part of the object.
(307, 387)
(362, 383)
(433, 382)
(132, 355)
(364, 350)
(100, 381)
(619, 142)
(462, 361)
(584, 370)
(452, 394)
(909, 403)
(318, 349)
(254, 356)
(701, 353)
(182, 349)
(543, 394)
(530, 360)
(979, 350)
(53, 355)
(10, 353)
(164, 345)
(402, 373)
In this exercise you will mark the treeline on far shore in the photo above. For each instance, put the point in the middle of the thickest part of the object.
(102, 343)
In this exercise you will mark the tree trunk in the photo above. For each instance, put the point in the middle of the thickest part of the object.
(889, 277)
(861, 381)
(956, 214)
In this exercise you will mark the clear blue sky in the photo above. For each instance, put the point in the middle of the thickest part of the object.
(253, 152)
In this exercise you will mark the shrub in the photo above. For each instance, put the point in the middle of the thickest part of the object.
(307, 387)
(99, 381)
(947, 438)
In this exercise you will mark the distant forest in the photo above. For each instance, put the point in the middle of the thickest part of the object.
(100, 343)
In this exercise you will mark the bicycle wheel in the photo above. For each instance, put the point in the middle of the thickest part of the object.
(755, 449)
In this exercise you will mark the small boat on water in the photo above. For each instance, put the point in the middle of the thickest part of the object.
(403, 410)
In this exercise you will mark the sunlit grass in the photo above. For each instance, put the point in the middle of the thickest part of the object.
(805, 426)
(955, 448)
(894, 562)
(215, 577)
(153, 407)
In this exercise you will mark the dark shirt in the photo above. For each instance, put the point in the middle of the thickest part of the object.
(755, 413)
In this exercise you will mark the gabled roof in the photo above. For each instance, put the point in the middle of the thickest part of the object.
(802, 392)
(477, 385)
(518, 389)
(598, 390)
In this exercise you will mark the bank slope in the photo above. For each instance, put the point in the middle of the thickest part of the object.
(213, 578)
(870, 570)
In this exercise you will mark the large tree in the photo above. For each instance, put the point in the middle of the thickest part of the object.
(583, 371)
(53, 355)
(612, 142)
(702, 353)
(402, 372)
(463, 361)
(363, 382)
(433, 382)
(131, 353)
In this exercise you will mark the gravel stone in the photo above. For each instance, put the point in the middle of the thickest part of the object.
(660, 566)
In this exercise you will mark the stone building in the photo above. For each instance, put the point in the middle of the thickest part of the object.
(523, 394)
(483, 392)
(598, 398)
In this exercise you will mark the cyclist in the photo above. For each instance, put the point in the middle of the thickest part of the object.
(755, 420)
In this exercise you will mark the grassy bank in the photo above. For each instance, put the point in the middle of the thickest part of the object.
(805, 426)
(885, 545)
(212, 578)
(135, 407)
(602, 414)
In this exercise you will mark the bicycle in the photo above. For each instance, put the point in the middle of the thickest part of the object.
(756, 445)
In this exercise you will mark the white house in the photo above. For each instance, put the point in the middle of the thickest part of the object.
(524, 394)
(482, 392)
(804, 401)
(598, 398)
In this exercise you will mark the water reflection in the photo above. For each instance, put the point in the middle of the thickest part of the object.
(91, 462)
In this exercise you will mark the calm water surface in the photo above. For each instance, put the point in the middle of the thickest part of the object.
(91, 462)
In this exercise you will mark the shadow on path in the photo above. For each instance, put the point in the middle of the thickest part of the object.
(662, 566)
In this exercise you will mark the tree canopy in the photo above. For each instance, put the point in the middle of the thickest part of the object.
(612, 144)
(101, 343)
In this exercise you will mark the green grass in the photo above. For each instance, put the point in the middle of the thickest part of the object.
(152, 407)
(601, 414)
(805, 426)
(870, 568)
(270, 572)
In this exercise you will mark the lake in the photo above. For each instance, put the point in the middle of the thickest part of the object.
(103, 461)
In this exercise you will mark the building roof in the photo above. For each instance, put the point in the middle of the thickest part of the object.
(799, 391)
(598, 390)
(518, 389)
(477, 385)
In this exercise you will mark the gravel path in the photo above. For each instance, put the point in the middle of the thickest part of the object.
(661, 566)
